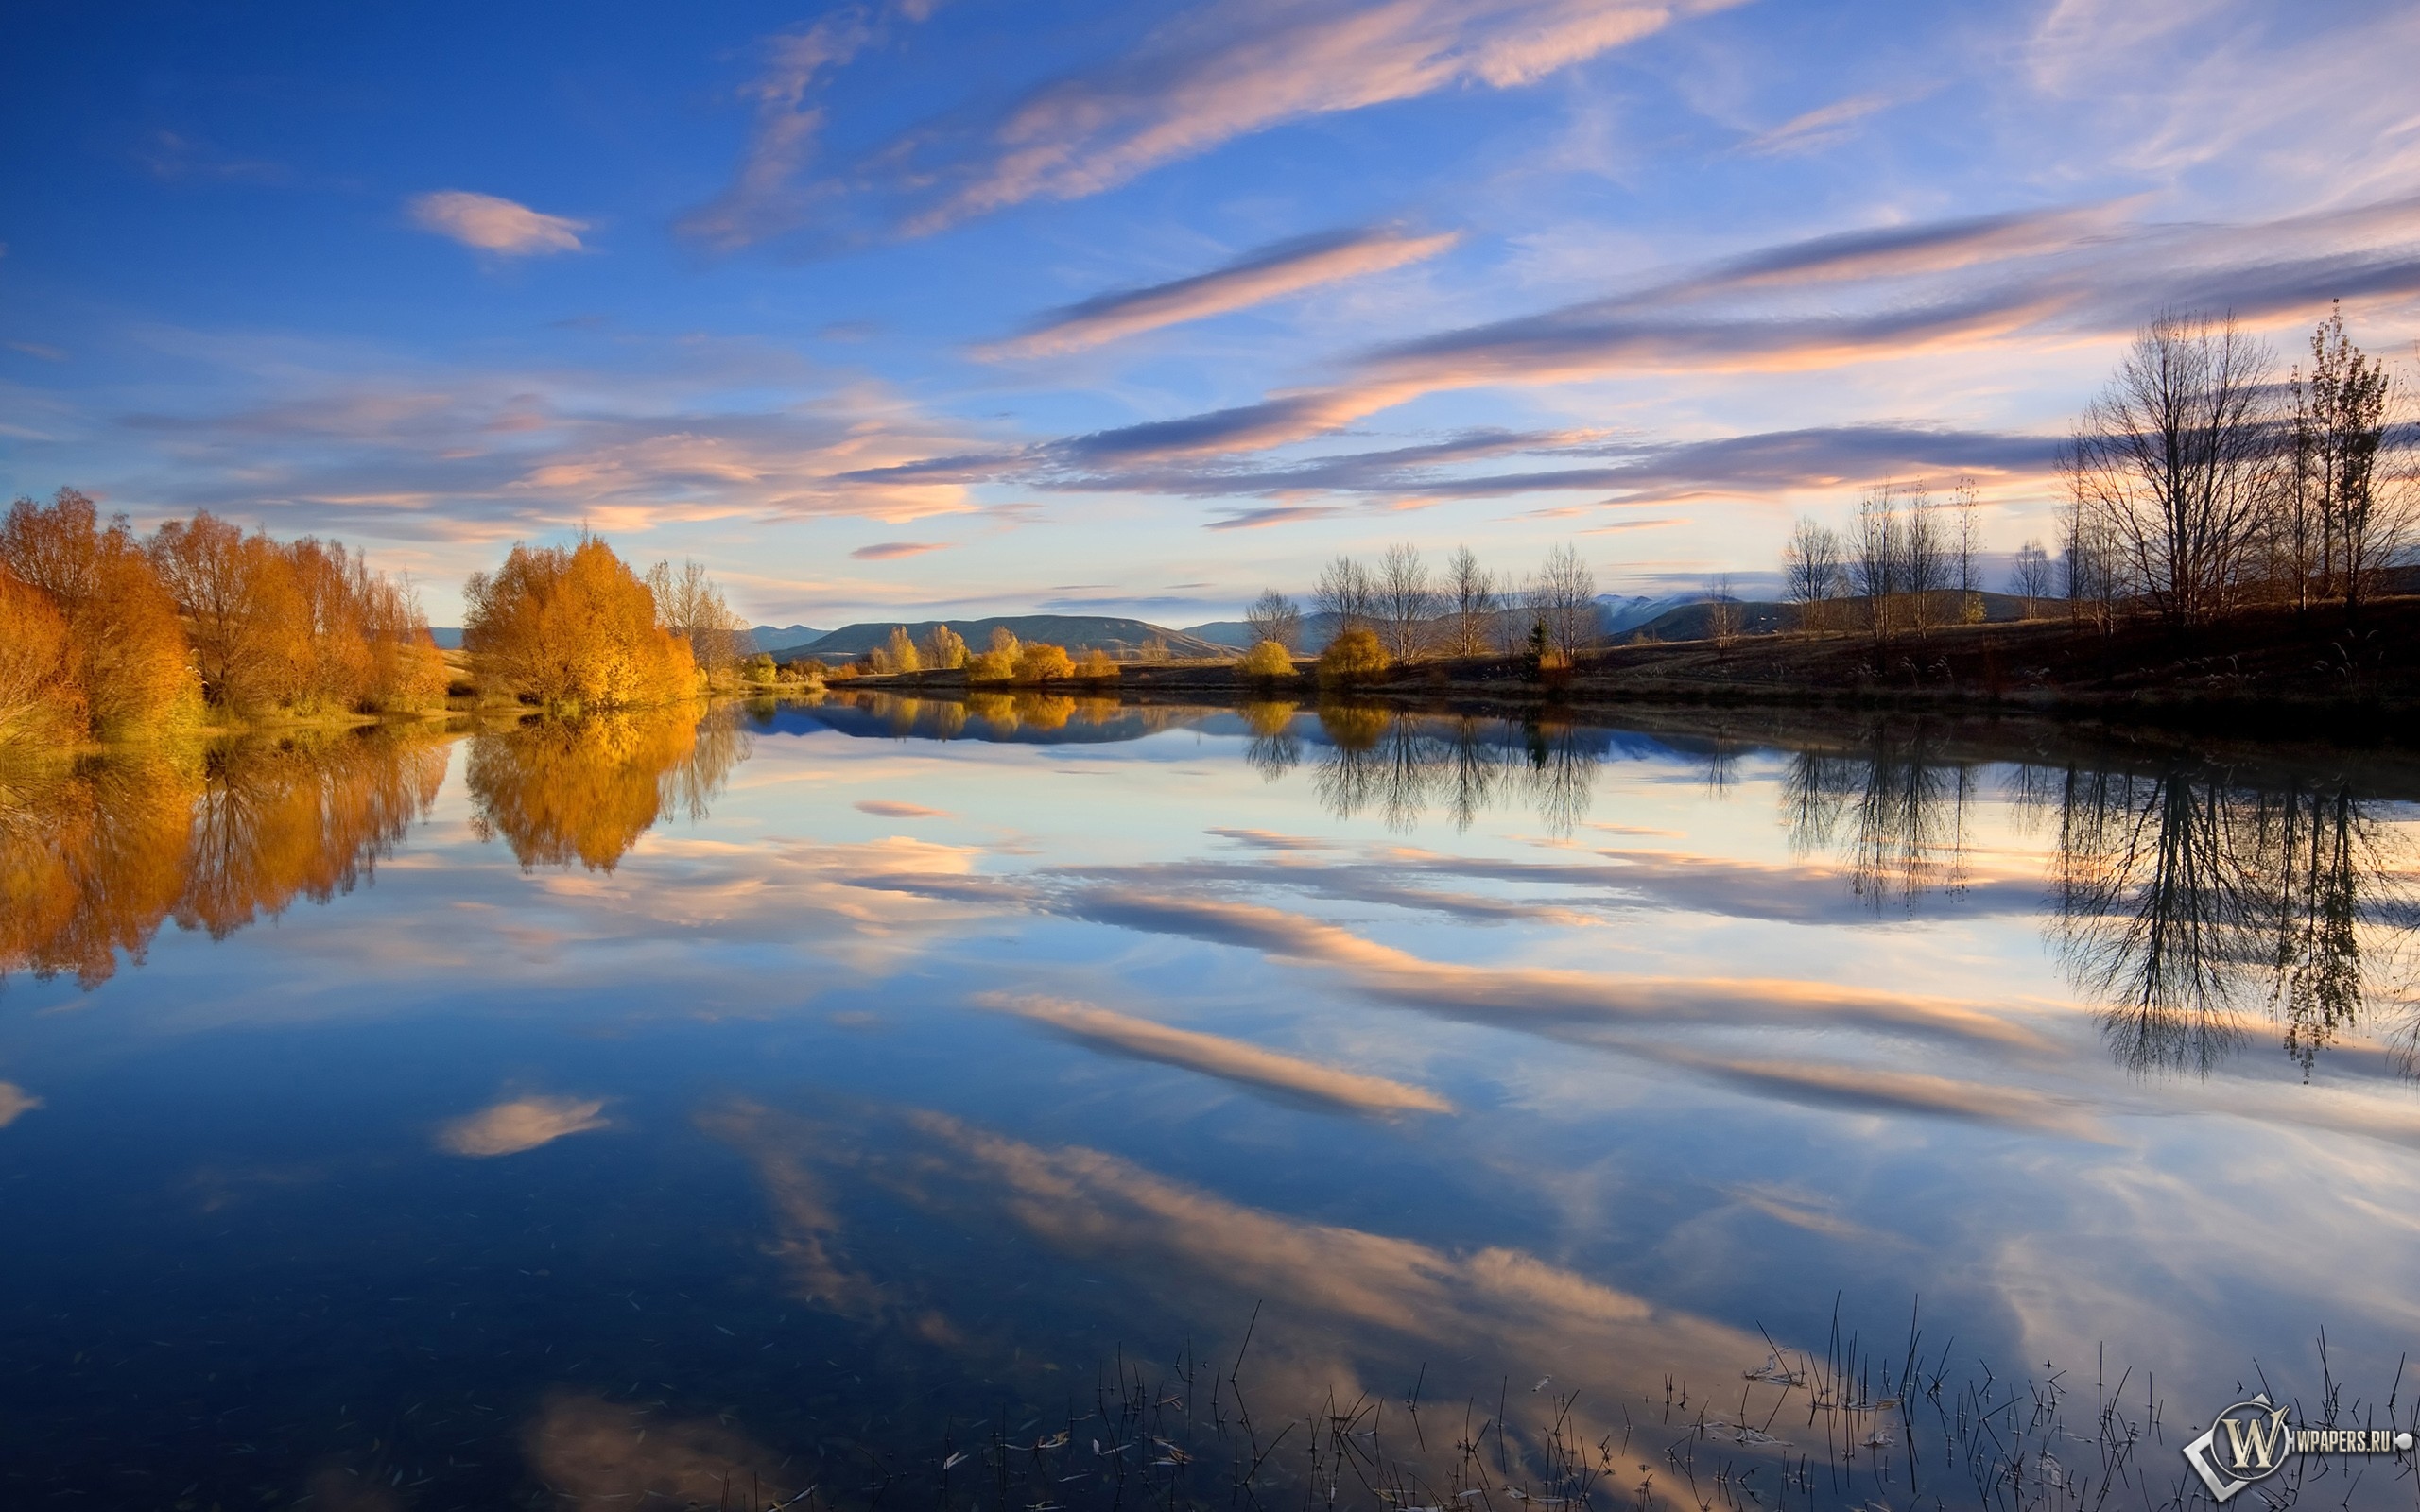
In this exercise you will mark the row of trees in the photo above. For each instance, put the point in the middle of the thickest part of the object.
(103, 633)
(1004, 659)
(2198, 484)
(1907, 562)
(1462, 610)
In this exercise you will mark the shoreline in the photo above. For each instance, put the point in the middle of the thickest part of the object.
(2240, 677)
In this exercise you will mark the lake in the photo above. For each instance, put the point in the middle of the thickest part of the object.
(1033, 1103)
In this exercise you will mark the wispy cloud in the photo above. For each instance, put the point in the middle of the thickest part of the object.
(889, 550)
(1218, 1056)
(1279, 515)
(1819, 128)
(1883, 295)
(521, 1124)
(765, 199)
(174, 156)
(494, 224)
(468, 455)
(1223, 70)
(1270, 274)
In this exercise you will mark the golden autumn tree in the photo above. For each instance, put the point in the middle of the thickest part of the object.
(944, 649)
(124, 665)
(40, 698)
(244, 607)
(1039, 660)
(571, 626)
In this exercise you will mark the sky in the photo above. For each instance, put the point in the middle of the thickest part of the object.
(961, 308)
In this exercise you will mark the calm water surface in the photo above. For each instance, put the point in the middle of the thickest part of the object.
(778, 1105)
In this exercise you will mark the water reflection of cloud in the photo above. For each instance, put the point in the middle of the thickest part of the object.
(891, 809)
(1269, 840)
(15, 1102)
(1339, 1304)
(1216, 1056)
(1524, 994)
(1808, 1210)
(521, 1124)
(1875, 1090)
(596, 1453)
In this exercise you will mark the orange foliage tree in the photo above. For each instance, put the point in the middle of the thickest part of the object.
(199, 611)
(39, 694)
(123, 664)
(573, 626)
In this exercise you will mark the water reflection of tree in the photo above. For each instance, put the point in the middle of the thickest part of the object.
(1275, 750)
(2186, 898)
(564, 790)
(1895, 809)
(1401, 764)
(97, 853)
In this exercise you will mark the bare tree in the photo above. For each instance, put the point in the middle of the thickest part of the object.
(1722, 611)
(1875, 560)
(690, 604)
(1346, 595)
(2340, 431)
(1472, 590)
(1966, 545)
(2088, 558)
(1406, 601)
(1273, 616)
(1563, 602)
(2030, 579)
(2175, 463)
(1811, 573)
(1924, 561)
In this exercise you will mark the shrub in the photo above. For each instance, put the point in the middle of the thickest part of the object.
(1042, 660)
(1097, 665)
(1354, 655)
(1266, 660)
(992, 666)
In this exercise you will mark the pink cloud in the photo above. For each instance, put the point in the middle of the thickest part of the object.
(887, 550)
(494, 224)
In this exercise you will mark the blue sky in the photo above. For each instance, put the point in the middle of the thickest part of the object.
(978, 308)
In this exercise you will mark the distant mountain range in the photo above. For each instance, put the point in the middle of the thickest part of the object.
(774, 638)
(1617, 615)
(1076, 632)
(1664, 617)
(781, 639)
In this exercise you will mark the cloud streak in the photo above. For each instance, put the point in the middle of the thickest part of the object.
(1270, 274)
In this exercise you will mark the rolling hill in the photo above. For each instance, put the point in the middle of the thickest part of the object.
(1076, 632)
